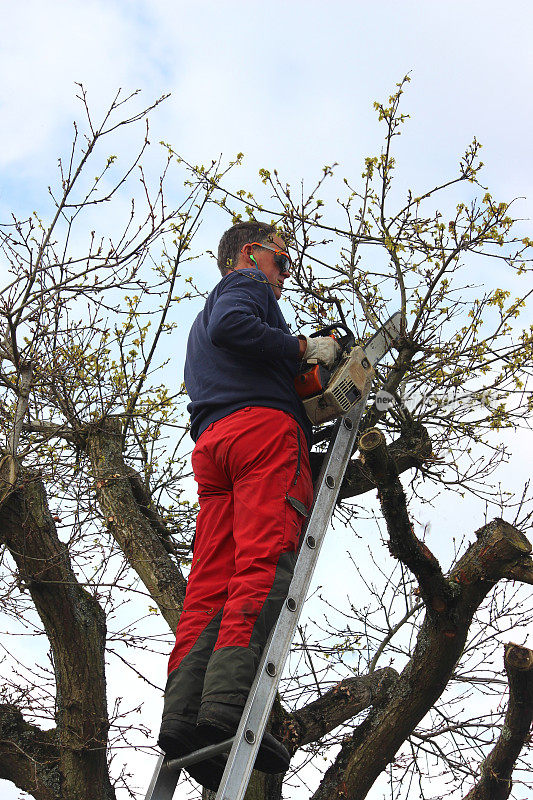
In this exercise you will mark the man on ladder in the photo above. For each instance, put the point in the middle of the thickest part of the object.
(251, 463)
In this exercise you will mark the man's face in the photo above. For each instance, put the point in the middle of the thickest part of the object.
(267, 265)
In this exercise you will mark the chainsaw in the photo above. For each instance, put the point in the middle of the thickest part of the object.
(331, 393)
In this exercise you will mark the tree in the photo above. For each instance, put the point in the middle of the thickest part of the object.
(93, 505)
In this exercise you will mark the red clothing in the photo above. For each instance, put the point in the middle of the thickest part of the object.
(247, 465)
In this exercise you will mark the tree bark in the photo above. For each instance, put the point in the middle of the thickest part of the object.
(260, 787)
(29, 757)
(403, 544)
(76, 629)
(495, 782)
(499, 550)
(409, 451)
(340, 704)
(134, 531)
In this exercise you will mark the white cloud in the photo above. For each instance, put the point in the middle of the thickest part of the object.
(50, 47)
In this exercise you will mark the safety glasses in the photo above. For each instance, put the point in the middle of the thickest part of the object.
(282, 260)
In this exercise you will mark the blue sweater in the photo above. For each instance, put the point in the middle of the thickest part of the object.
(240, 353)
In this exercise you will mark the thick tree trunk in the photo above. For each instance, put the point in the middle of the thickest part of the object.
(76, 629)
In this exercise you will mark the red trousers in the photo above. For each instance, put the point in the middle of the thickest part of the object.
(250, 467)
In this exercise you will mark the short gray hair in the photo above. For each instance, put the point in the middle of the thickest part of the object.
(234, 239)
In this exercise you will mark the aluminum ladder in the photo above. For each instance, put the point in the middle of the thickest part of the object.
(243, 747)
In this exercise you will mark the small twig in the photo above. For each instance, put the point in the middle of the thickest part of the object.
(309, 659)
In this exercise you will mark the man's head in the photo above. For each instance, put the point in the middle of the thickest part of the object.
(254, 244)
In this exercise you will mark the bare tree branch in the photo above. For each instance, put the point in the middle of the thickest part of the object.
(26, 371)
(29, 757)
(495, 782)
(403, 544)
(411, 450)
(351, 696)
(136, 535)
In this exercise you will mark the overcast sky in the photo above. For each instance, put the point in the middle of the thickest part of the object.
(290, 84)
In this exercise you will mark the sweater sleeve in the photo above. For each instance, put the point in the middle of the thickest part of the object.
(237, 321)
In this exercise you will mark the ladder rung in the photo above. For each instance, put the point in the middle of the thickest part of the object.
(203, 754)
(167, 771)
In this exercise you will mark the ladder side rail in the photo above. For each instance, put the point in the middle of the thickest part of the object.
(164, 781)
(262, 694)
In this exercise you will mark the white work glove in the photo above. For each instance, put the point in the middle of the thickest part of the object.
(322, 349)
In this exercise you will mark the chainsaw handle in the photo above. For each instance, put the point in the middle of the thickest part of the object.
(345, 341)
